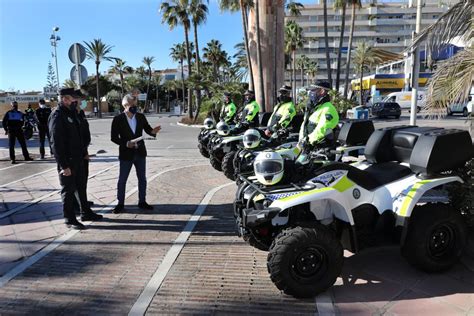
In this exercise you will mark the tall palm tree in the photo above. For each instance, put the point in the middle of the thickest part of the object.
(240, 65)
(294, 8)
(119, 68)
(259, 55)
(214, 54)
(342, 5)
(176, 12)
(355, 4)
(293, 40)
(301, 63)
(365, 57)
(243, 6)
(312, 70)
(98, 51)
(148, 60)
(326, 40)
(199, 13)
(178, 54)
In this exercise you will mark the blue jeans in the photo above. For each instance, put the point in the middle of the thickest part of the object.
(125, 167)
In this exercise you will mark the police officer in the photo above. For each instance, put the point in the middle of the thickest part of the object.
(12, 123)
(321, 117)
(68, 150)
(283, 112)
(42, 114)
(251, 109)
(229, 110)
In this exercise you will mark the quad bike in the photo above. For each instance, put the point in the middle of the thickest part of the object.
(29, 127)
(402, 192)
(205, 135)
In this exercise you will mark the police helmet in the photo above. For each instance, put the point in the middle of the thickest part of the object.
(251, 138)
(222, 128)
(209, 123)
(269, 167)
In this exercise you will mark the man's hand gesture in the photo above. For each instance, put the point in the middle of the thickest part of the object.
(157, 129)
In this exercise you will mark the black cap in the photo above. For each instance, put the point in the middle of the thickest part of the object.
(66, 91)
(79, 94)
(285, 88)
(227, 94)
(249, 92)
(321, 84)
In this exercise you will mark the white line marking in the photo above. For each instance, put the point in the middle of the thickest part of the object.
(145, 298)
(324, 304)
(170, 146)
(35, 201)
(28, 177)
(16, 270)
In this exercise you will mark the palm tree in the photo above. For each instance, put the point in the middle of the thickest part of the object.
(452, 80)
(214, 54)
(148, 61)
(199, 13)
(293, 40)
(119, 68)
(243, 6)
(355, 4)
(312, 70)
(365, 57)
(340, 4)
(176, 12)
(69, 84)
(294, 8)
(302, 63)
(97, 51)
(326, 40)
(240, 66)
(178, 54)
(259, 55)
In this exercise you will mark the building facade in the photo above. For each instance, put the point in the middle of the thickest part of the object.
(387, 25)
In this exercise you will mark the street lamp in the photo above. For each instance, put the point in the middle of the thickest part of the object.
(54, 42)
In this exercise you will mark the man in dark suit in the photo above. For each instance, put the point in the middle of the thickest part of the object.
(127, 127)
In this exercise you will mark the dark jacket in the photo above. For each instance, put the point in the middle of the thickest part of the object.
(43, 114)
(13, 121)
(122, 133)
(65, 137)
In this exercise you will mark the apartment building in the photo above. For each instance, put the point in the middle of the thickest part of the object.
(384, 24)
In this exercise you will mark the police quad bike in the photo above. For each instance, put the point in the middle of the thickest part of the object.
(205, 135)
(405, 191)
(293, 170)
(29, 127)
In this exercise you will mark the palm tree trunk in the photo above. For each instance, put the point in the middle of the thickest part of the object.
(198, 67)
(259, 55)
(243, 10)
(361, 83)
(326, 40)
(302, 76)
(121, 85)
(293, 74)
(182, 79)
(341, 42)
(188, 57)
(147, 89)
(99, 110)
(349, 48)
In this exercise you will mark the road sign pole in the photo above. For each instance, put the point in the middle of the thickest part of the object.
(78, 70)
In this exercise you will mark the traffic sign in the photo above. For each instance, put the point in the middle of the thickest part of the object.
(77, 53)
(78, 76)
(142, 97)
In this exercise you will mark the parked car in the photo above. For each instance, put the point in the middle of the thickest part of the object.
(464, 108)
(386, 109)
(403, 99)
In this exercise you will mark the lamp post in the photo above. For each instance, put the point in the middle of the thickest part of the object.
(54, 42)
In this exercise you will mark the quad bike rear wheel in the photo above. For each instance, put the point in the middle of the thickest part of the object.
(228, 165)
(305, 261)
(436, 237)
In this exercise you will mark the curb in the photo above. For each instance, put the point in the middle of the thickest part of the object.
(186, 125)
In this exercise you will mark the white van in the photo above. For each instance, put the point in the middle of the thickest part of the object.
(464, 108)
(403, 99)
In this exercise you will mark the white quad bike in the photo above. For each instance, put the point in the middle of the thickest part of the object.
(402, 192)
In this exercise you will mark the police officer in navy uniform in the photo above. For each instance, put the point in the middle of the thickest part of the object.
(42, 114)
(12, 123)
(68, 150)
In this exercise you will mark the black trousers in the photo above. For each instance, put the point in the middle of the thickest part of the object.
(73, 190)
(43, 133)
(12, 137)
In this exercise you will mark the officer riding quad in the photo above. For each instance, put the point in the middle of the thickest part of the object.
(204, 135)
(402, 191)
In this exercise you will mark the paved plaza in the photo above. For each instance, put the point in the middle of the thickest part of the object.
(184, 257)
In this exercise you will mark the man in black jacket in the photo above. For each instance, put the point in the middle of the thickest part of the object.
(43, 113)
(68, 150)
(127, 127)
(12, 123)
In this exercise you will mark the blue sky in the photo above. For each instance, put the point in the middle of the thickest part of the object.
(133, 27)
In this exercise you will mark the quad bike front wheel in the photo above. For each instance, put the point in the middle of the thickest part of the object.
(228, 165)
(203, 150)
(215, 162)
(28, 133)
(305, 261)
(436, 237)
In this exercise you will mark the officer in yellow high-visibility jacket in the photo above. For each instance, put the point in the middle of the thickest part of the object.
(229, 110)
(283, 112)
(321, 116)
(251, 109)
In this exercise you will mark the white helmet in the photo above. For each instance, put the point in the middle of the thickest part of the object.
(251, 138)
(209, 123)
(269, 167)
(222, 128)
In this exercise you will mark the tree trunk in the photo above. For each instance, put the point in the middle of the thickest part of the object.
(259, 55)
(326, 40)
(243, 10)
(188, 57)
(182, 80)
(349, 48)
(147, 90)
(293, 74)
(302, 76)
(198, 68)
(341, 42)
(361, 84)
(99, 110)
(121, 86)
